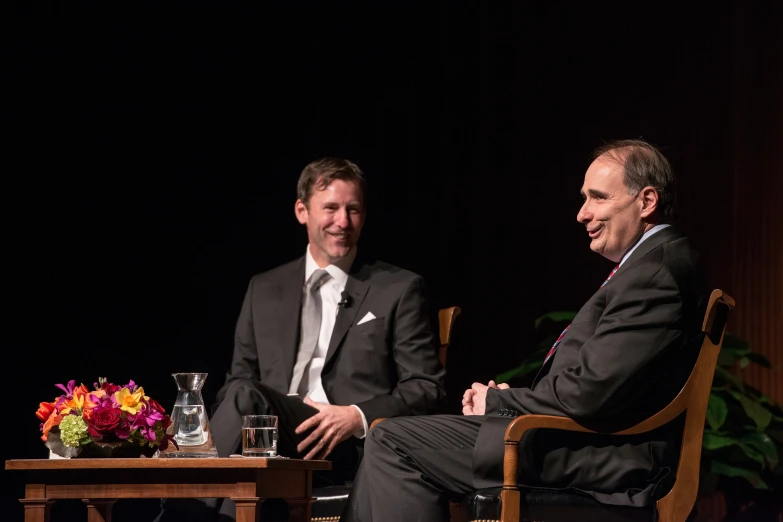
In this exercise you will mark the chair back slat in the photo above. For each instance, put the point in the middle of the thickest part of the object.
(677, 504)
(446, 318)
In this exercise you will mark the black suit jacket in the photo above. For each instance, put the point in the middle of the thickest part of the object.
(387, 366)
(626, 355)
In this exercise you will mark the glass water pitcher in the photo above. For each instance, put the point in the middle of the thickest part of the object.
(189, 422)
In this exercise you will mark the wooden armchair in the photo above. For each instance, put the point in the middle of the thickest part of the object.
(330, 501)
(510, 503)
(446, 318)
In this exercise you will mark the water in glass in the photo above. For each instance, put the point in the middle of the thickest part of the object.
(259, 442)
(259, 436)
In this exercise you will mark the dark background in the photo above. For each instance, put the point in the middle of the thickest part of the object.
(154, 152)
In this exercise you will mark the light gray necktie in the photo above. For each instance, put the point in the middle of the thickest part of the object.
(310, 330)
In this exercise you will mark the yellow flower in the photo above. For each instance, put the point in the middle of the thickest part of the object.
(77, 402)
(130, 402)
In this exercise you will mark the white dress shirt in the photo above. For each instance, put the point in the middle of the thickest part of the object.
(330, 295)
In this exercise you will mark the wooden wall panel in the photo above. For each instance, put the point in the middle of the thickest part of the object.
(757, 282)
(757, 184)
(731, 180)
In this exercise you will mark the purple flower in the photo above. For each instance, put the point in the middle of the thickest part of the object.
(107, 401)
(69, 390)
(145, 422)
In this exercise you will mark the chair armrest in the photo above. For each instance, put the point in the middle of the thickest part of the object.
(376, 421)
(514, 433)
(517, 428)
(523, 423)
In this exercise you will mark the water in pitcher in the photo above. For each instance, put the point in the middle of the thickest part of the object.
(189, 423)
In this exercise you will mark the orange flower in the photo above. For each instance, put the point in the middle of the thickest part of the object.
(89, 404)
(45, 409)
(51, 422)
(80, 395)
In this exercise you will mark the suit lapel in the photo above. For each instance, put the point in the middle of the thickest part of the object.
(357, 289)
(290, 305)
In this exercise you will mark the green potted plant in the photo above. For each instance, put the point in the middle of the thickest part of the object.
(743, 438)
(743, 432)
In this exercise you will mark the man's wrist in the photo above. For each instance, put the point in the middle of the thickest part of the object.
(361, 425)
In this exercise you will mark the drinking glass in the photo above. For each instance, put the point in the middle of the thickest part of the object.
(259, 436)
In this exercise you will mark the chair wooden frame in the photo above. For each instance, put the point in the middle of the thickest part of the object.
(446, 318)
(693, 398)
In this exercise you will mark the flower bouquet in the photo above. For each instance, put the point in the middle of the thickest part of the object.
(109, 421)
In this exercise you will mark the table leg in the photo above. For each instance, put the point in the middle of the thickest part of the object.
(36, 509)
(99, 510)
(248, 508)
(300, 510)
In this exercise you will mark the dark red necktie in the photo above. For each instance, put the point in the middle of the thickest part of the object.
(560, 337)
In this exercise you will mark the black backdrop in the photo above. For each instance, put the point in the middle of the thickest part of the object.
(154, 154)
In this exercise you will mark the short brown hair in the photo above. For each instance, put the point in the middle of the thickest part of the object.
(644, 165)
(317, 175)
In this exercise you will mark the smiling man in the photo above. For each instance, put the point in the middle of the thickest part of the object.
(621, 193)
(328, 342)
(626, 355)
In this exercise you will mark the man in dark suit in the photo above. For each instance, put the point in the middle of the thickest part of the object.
(330, 341)
(625, 356)
(376, 353)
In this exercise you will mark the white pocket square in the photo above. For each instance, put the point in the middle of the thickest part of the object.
(368, 317)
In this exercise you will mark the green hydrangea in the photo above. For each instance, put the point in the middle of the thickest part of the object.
(73, 430)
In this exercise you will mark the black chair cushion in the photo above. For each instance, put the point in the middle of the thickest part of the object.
(330, 501)
(553, 506)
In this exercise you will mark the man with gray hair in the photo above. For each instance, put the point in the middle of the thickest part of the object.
(625, 356)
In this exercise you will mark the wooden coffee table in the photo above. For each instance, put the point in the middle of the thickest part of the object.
(101, 482)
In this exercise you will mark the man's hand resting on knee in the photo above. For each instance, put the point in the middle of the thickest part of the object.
(330, 426)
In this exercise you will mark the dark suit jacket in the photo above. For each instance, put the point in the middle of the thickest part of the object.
(387, 366)
(626, 355)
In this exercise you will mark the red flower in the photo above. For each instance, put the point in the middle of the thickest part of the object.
(110, 388)
(155, 405)
(44, 410)
(104, 421)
